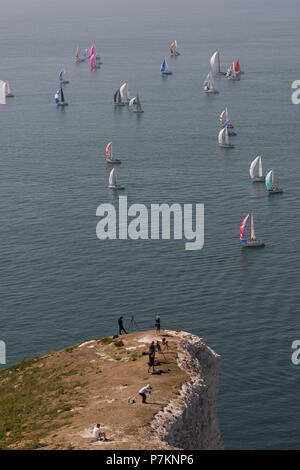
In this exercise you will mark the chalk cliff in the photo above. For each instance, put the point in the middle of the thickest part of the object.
(190, 420)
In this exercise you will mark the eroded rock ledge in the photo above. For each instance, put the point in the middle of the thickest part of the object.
(190, 420)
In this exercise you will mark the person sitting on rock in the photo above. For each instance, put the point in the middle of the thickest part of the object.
(98, 434)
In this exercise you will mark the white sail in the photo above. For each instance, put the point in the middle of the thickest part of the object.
(253, 166)
(226, 136)
(138, 103)
(252, 232)
(8, 90)
(175, 45)
(215, 62)
(221, 136)
(112, 178)
(127, 93)
(208, 83)
(132, 101)
(260, 169)
(122, 89)
(2, 92)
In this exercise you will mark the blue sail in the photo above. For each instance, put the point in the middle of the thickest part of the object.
(226, 123)
(163, 66)
(268, 181)
(56, 97)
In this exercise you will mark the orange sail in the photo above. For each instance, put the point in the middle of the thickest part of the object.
(77, 53)
(107, 150)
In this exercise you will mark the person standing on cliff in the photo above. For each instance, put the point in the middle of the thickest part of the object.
(157, 325)
(121, 326)
(151, 362)
(143, 392)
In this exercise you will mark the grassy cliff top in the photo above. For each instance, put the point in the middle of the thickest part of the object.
(54, 401)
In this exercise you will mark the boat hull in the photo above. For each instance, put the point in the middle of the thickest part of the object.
(259, 179)
(226, 146)
(63, 104)
(275, 191)
(118, 186)
(211, 92)
(233, 134)
(167, 73)
(138, 112)
(113, 161)
(253, 244)
(10, 95)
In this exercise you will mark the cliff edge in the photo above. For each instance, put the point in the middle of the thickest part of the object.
(54, 401)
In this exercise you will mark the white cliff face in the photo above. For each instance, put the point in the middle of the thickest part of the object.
(190, 420)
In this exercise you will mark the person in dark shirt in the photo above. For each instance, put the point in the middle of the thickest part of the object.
(121, 326)
(157, 325)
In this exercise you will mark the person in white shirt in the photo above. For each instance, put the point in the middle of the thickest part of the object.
(98, 434)
(143, 392)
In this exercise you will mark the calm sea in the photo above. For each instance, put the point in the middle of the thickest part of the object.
(60, 285)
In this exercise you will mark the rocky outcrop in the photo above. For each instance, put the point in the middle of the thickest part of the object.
(190, 420)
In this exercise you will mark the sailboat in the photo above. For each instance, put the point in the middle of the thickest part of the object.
(208, 85)
(8, 92)
(237, 67)
(62, 79)
(124, 92)
(93, 62)
(85, 54)
(118, 98)
(112, 180)
(173, 49)
(164, 68)
(223, 138)
(135, 104)
(109, 154)
(98, 60)
(257, 178)
(232, 73)
(2, 92)
(92, 50)
(224, 120)
(60, 98)
(215, 64)
(253, 241)
(77, 57)
(272, 189)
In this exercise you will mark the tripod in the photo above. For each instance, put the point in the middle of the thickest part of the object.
(133, 324)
